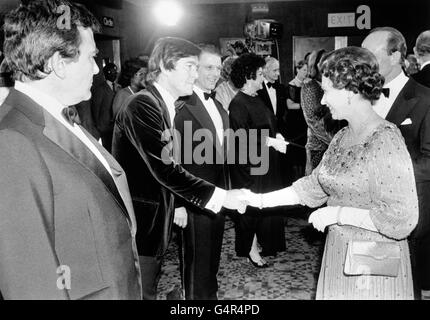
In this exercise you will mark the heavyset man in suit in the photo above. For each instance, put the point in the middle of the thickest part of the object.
(407, 106)
(144, 146)
(65, 207)
(203, 231)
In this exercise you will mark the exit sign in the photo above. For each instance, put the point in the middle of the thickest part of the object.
(336, 20)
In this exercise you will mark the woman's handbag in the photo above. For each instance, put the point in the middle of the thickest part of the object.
(377, 258)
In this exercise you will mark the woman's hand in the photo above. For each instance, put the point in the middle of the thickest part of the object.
(324, 217)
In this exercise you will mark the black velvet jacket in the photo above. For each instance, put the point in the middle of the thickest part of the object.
(140, 148)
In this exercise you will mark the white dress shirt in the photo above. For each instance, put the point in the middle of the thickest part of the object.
(424, 64)
(383, 105)
(217, 200)
(272, 95)
(55, 108)
(213, 113)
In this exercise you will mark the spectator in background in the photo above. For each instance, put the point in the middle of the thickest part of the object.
(101, 107)
(422, 52)
(225, 91)
(132, 79)
(296, 127)
(248, 112)
(321, 126)
(412, 65)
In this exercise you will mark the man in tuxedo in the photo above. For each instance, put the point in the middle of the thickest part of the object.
(145, 146)
(422, 52)
(407, 104)
(101, 105)
(273, 93)
(203, 231)
(67, 226)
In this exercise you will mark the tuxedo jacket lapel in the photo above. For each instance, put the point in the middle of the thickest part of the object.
(403, 105)
(264, 95)
(119, 179)
(199, 112)
(71, 144)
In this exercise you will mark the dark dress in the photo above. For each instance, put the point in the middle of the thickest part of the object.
(296, 131)
(251, 114)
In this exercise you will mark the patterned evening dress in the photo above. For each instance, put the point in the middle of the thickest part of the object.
(377, 175)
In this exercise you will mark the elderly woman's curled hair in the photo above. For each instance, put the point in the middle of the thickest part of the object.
(355, 69)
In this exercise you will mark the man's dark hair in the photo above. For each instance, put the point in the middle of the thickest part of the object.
(129, 69)
(245, 67)
(168, 51)
(34, 32)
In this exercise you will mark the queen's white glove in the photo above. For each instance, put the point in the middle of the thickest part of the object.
(324, 217)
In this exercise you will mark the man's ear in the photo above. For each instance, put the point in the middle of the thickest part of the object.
(57, 64)
(395, 58)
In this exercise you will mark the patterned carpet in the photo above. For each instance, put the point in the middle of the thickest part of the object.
(292, 274)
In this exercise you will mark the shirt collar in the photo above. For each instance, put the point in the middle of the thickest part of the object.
(398, 82)
(167, 97)
(50, 104)
(424, 64)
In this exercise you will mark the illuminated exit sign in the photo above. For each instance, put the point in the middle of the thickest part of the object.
(349, 19)
(336, 20)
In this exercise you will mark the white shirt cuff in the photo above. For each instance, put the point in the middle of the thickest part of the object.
(217, 200)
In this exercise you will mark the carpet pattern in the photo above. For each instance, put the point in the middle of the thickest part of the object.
(292, 274)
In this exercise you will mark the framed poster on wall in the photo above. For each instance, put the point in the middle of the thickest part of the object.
(303, 45)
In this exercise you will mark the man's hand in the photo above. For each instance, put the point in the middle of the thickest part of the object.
(236, 200)
(324, 217)
(181, 217)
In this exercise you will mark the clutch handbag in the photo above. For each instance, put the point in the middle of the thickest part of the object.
(377, 258)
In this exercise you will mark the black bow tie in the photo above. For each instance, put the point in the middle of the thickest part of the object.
(71, 115)
(209, 95)
(386, 92)
(270, 84)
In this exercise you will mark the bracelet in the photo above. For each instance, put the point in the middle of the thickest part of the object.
(339, 209)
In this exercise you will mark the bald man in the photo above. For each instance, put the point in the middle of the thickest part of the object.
(422, 53)
(273, 93)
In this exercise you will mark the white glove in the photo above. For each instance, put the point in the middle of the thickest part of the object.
(356, 217)
(282, 197)
(181, 217)
(324, 217)
(279, 144)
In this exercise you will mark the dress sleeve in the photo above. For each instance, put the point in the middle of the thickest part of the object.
(392, 185)
(309, 190)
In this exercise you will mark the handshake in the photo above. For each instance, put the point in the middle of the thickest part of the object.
(239, 199)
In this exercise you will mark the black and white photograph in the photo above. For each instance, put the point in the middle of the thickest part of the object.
(222, 156)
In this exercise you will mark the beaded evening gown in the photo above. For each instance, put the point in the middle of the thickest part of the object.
(377, 175)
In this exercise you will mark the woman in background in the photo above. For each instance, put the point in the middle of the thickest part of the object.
(367, 180)
(132, 79)
(321, 126)
(296, 128)
(248, 112)
(225, 90)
